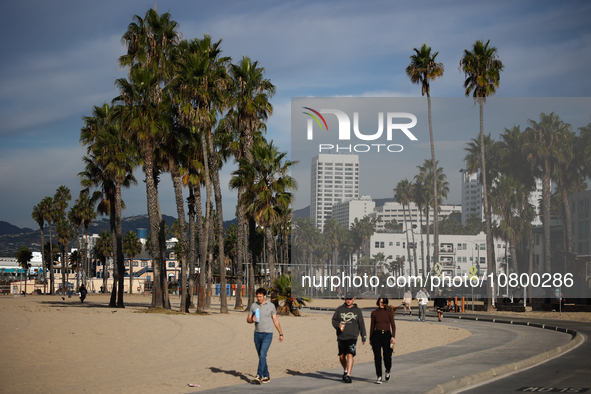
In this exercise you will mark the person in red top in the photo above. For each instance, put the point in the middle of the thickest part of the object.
(382, 337)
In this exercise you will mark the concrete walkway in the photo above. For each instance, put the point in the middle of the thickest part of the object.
(493, 349)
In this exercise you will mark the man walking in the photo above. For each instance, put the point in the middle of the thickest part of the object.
(264, 315)
(348, 321)
(423, 299)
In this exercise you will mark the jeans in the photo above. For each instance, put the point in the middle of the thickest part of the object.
(422, 311)
(262, 342)
(380, 343)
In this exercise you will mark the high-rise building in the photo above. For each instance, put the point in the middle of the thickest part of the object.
(472, 198)
(334, 178)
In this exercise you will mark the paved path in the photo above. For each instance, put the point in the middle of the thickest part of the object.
(491, 346)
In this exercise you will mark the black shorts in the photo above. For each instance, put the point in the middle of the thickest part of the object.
(347, 346)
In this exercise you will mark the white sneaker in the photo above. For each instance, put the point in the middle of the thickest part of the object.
(387, 376)
(379, 381)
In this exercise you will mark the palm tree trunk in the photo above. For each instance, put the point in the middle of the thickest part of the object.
(220, 216)
(531, 263)
(489, 260)
(435, 196)
(115, 252)
(119, 248)
(43, 261)
(428, 244)
(51, 274)
(202, 250)
(158, 293)
(270, 254)
(180, 210)
(406, 231)
(546, 197)
(241, 236)
(251, 257)
(192, 249)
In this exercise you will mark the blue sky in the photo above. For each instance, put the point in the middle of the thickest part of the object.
(59, 58)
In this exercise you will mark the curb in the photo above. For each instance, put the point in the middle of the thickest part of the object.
(492, 373)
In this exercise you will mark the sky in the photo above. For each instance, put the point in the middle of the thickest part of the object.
(59, 59)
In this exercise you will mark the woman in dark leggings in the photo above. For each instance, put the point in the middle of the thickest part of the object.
(382, 337)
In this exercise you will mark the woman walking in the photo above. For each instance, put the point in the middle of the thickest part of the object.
(382, 335)
(406, 302)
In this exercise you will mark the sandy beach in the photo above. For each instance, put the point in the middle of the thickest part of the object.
(52, 345)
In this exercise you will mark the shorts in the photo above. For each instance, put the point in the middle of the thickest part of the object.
(347, 346)
(406, 301)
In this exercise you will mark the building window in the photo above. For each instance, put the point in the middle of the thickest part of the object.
(171, 264)
(377, 245)
(135, 264)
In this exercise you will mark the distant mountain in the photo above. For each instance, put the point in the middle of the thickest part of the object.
(7, 228)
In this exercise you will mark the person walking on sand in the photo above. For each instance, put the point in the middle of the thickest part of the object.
(406, 300)
(264, 315)
(382, 333)
(423, 299)
(348, 321)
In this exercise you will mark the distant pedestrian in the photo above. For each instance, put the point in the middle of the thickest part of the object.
(348, 321)
(423, 299)
(264, 315)
(406, 302)
(382, 333)
(82, 292)
(439, 305)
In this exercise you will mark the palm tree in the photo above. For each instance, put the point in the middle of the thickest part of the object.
(201, 85)
(545, 148)
(426, 177)
(151, 46)
(61, 199)
(268, 184)
(131, 247)
(482, 68)
(102, 249)
(23, 257)
(38, 216)
(402, 195)
(422, 69)
(250, 108)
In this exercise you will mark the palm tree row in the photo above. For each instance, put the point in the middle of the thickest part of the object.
(186, 109)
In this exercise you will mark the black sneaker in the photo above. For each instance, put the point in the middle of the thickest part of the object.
(387, 376)
(347, 379)
(379, 381)
(344, 376)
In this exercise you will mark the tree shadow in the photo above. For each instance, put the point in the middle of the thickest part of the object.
(240, 375)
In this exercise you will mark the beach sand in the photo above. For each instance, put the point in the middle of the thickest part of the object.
(52, 345)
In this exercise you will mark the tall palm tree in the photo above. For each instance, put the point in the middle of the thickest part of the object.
(250, 108)
(49, 214)
(38, 216)
(202, 82)
(151, 47)
(24, 257)
(131, 247)
(61, 199)
(422, 69)
(482, 68)
(545, 148)
(402, 195)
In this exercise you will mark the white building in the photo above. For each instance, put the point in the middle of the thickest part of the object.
(472, 198)
(457, 253)
(347, 211)
(394, 210)
(334, 178)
